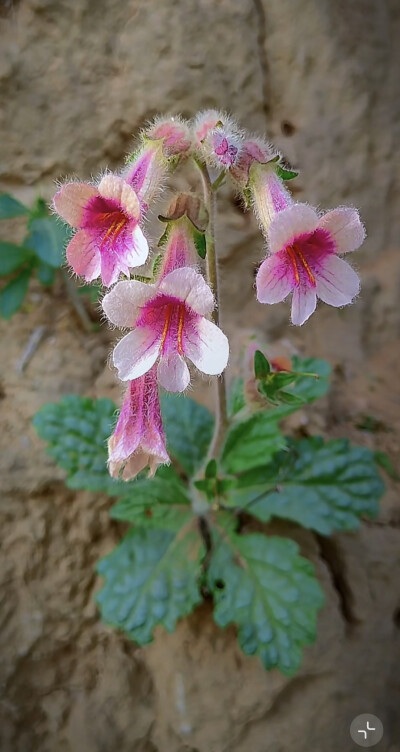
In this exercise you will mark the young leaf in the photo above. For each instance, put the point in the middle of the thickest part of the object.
(12, 257)
(188, 427)
(284, 174)
(306, 388)
(10, 207)
(47, 239)
(77, 429)
(251, 442)
(150, 579)
(262, 367)
(236, 400)
(270, 592)
(13, 294)
(156, 502)
(322, 486)
(200, 243)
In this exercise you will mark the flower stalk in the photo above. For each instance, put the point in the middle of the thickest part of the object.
(221, 412)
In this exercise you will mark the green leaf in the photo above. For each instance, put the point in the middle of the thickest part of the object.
(211, 470)
(263, 585)
(236, 401)
(77, 429)
(322, 486)
(12, 257)
(306, 388)
(46, 274)
(251, 442)
(284, 174)
(189, 428)
(156, 502)
(382, 459)
(47, 239)
(200, 243)
(262, 367)
(93, 291)
(10, 207)
(150, 579)
(13, 294)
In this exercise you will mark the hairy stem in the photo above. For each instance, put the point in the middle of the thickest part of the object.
(221, 422)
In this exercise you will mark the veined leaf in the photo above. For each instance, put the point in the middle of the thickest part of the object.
(264, 586)
(322, 486)
(189, 428)
(155, 502)
(151, 578)
(251, 442)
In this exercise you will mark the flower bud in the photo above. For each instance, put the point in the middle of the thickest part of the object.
(187, 220)
(163, 143)
(217, 138)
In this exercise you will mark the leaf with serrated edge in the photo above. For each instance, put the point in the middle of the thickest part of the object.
(156, 502)
(76, 429)
(322, 486)
(189, 428)
(251, 442)
(150, 579)
(265, 587)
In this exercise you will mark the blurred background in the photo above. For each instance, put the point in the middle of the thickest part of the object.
(77, 79)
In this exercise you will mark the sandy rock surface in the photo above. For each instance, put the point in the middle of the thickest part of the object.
(78, 78)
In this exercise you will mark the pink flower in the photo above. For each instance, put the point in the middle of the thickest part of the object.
(255, 152)
(164, 143)
(138, 440)
(218, 138)
(169, 324)
(304, 259)
(109, 239)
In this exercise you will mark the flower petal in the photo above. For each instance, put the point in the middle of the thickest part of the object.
(122, 304)
(135, 354)
(346, 227)
(304, 302)
(114, 187)
(297, 219)
(173, 373)
(337, 282)
(207, 347)
(188, 285)
(84, 256)
(273, 281)
(70, 201)
(139, 251)
(110, 268)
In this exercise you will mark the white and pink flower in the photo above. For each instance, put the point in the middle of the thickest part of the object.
(304, 259)
(169, 324)
(138, 440)
(109, 239)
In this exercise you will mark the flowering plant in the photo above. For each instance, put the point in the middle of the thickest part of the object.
(200, 491)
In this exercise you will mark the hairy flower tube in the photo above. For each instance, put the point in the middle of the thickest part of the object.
(138, 439)
(217, 138)
(304, 259)
(169, 325)
(109, 239)
(163, 143)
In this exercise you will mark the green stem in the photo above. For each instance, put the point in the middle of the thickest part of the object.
(221, 422)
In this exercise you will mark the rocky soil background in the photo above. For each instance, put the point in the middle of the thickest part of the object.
(76, 80)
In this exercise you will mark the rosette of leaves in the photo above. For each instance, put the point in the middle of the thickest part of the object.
(186, 538)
